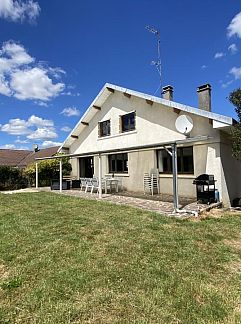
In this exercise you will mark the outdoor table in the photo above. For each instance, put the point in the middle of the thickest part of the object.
(111, 182)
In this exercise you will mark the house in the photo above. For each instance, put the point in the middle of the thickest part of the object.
(128, 133)
(12, 157)
(22, 158)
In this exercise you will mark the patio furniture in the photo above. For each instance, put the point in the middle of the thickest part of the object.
(75, 184)
(55, 185)
(82, 183)
(88, 184)
(111, 182)
(151, 183)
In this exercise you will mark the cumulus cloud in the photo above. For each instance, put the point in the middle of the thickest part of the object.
(46, 144)
(235, 72)
(66, 129)
(16, 126)
(43, 133)
(13, 147)
(70, 111)
(219, 55)
(16, 10)
(21, 141)
(35, 128)
(233, 48)
(234, 28)
(203, 67)
(22, 78)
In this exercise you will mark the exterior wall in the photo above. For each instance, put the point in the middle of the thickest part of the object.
(230, 171)
(156, 124)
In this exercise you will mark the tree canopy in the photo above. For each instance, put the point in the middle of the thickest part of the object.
(235, 99)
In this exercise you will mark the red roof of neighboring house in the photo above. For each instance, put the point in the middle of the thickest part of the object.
(12, 157)
(22, 158)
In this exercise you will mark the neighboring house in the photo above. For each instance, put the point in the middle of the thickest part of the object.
(22, 158)
(30, 158)
(12, 157)
(129, 130)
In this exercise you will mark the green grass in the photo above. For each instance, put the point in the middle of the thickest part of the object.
(68, 260)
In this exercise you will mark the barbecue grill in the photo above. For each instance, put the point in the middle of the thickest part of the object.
(205, 187)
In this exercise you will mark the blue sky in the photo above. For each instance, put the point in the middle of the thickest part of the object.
(56, 55)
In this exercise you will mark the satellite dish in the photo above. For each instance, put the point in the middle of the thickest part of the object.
(184, 124)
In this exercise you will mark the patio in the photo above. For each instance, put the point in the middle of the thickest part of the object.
(139, 200)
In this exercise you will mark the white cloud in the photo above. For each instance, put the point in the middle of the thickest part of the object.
(233, 48)
(35, 128)
(8, 147)
(203, 67)
(16, 127)
(16, 10)
(219, 55)
(226, 84)
(234, 28)
(70, 111)
(22, 78)
(66, 129)
(50, 143)
(38, 121)
(34, 84)
(43, 133)
(236, 72)
(13, 147)
(19, 141)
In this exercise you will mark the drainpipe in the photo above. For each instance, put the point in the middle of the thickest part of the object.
(36, 175)
(60, 175)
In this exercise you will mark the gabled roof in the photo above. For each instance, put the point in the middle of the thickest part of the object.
(12, 157)
(108, 89)
(30, 158)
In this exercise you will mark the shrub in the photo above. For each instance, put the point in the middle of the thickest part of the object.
(12, 178)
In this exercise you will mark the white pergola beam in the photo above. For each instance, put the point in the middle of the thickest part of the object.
(60, 175)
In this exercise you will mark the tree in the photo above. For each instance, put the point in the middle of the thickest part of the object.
(235, 99)
(47, 170)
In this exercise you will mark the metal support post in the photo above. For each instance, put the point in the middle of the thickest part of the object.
(60, 175)
(100, 176)
(175, 178)
(36, 175)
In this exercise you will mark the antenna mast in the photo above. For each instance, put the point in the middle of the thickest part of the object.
(157, 63)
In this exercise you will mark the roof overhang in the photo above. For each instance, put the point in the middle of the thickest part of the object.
(219, 121)
(188, 140)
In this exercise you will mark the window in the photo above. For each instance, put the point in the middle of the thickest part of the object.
(184, 160)
(118, 163)
(104, 128)
(128, 122)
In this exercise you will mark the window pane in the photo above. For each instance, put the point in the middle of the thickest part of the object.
(105, 128)
(184, 160)
(128, 122)
(118, 162)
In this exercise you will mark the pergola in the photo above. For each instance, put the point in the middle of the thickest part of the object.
(172, 152)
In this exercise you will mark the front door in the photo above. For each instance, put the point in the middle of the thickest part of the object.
(86, 167)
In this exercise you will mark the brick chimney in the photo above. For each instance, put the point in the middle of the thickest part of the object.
(167, 92)
(204, 97)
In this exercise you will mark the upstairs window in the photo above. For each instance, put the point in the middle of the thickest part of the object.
(118, 163)
(184, 160)
(104, 128)
(128, 122)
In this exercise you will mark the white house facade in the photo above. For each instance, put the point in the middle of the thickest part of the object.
(131, 132)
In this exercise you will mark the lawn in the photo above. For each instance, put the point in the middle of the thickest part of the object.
(69, 260)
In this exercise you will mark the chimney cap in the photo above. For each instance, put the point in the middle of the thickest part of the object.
(204, 87)
(167, 88)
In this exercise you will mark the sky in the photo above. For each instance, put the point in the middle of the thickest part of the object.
(55, 56)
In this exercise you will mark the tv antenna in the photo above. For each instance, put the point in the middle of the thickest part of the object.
(157, 63)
